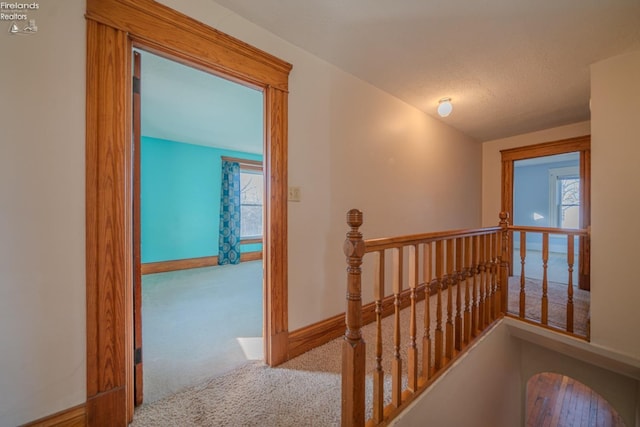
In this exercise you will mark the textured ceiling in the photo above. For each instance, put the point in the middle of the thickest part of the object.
(510, 66)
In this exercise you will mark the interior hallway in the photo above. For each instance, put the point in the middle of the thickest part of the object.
(198, 324)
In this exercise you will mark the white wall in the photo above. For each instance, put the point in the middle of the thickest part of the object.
(482, 389)
(490, 382)
(615, 197)
(42, 273)
(615, 193)
(350, 145)
(492, 162)
(354, 146)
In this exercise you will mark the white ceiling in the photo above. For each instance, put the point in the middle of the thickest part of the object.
(183, 104)
(510, 66)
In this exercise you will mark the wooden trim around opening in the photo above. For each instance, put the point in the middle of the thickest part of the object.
(72, 417)
(186, 264)
(114, 27)
(581, 144)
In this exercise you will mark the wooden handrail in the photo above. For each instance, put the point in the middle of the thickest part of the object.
(458, 258)
(378, 244)
(466, 270)
(551, 230)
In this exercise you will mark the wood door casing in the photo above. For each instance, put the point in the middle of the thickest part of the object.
(137, 231)
(114, 27)
(581, 144)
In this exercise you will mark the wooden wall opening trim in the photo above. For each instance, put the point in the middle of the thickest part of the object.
(581, 144)
(113, 28)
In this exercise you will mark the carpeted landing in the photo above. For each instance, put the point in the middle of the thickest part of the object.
(557, 305)
(305, 391)
(252, 395)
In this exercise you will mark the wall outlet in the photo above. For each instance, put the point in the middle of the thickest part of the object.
(294, 194)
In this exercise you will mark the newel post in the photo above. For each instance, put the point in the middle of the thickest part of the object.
(353, 347)
(504, 262)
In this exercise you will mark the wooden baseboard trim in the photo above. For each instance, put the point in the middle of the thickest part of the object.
(186, 264)
(108, 409)
(314, 335)
(250, 256)
(71, 417)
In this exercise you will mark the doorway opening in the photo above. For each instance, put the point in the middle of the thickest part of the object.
(546, 193)
(114, 28)
(548, 185)
(198, 225)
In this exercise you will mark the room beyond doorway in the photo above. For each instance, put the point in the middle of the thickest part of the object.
(200, 134)
(198, 324)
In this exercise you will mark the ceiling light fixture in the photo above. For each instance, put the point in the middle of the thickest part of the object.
(445, 107)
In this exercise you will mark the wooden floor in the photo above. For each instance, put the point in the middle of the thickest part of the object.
(556, 400)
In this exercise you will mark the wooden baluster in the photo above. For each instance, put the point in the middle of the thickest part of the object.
(504, 262)
(426, 338)
(448, 345)
(412, 351)
(353, 346)
(474, 302)
(545, 260)
(494, 277)
(396, 366)
(487, 280)
(467, 297)
(439, 336)
(491, 278)
(459, 279)
(570, 245)
(378, 374)
(481, 270)
(523, 256)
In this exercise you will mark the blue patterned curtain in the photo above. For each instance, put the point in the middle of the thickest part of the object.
(229, 240)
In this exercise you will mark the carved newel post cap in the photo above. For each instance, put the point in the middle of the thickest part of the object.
(504, 215)
(354, 245)
(354, 218)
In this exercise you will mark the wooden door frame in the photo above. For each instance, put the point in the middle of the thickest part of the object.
(114, 27)
(581, 144)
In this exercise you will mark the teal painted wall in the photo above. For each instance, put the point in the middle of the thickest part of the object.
(180, 199)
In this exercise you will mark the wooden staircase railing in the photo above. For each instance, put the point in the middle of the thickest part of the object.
(569, 259)
(467, 272)
(463, 266)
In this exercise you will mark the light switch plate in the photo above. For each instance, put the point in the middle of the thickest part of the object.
(295, 194)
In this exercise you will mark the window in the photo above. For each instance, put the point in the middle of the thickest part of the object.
(564, 197)
(569, 202)
(251, 201)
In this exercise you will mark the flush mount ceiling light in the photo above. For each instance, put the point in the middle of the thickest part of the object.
(445, 107)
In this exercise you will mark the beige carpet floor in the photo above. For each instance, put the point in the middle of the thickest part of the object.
(302, 392)
(557, 296)
(188, 331)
